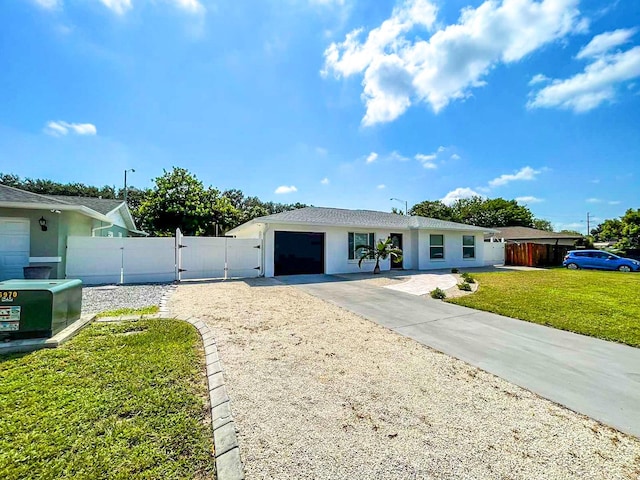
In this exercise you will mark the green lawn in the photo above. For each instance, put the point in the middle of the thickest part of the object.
(119, 401)
(601, 304)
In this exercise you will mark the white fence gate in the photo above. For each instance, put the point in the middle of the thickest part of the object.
(493, 253)
(217, 257)
(98, 260)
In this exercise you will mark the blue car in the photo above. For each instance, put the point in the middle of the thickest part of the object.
(599, 260)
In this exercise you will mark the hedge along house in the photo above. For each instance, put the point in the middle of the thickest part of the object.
(325, 240)
(34, 228)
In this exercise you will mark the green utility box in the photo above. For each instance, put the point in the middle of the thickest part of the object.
(38, 308)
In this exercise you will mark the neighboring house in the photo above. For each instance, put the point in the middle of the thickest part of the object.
(531, 235)
(34, 228)
(325, 240)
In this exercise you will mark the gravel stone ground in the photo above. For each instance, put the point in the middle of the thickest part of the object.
(318, 392)
(111, 297)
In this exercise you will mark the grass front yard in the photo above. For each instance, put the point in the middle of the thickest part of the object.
(600, 304)
(119, 401)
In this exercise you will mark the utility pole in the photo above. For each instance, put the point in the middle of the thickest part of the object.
(406, 210)
(125, 183)
(588, 224)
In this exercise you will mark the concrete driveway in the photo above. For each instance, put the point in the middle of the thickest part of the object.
(597, 378)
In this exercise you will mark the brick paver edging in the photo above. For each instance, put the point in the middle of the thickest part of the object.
(227, 453)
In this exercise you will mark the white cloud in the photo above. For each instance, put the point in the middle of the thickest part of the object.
(325, 181)
(118, 6)
(529, 199)
(400, 68)
(282, 189)
(396, 157)
(48, 4)
(373, 156)
(614, 202)
(321, 151)
(455, 156)
(427, 161)
(526, 173)
(539, 78)
(593, 200)
(597, 83)
(191, 6)
(327, 3)
(605, 42)
(459, 193)
(60, 128)
(121, 7)
(382, 186)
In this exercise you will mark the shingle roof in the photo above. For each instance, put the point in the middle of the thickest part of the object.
(362, 218)
(100, 205)
(525, 233)
(11, 194)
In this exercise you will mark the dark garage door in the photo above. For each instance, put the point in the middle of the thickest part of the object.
(298, 253)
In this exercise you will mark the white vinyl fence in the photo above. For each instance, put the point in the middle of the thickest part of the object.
(99, 260)
(494, 253)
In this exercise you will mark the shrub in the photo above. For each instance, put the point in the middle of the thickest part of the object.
(464, 286)
(454, 270)
(468, 278)
(438, 294)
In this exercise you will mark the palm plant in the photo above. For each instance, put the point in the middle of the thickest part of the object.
(381, 251)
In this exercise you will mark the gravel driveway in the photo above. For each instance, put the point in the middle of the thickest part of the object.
(318, 392)
(112, 297)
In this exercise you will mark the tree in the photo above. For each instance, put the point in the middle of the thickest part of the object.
(48, 187)
(492, 212)
(434, 209)
(178, 200)
(542, 224)
(381, 251)
(625, 230)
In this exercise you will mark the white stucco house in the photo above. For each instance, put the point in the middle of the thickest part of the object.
(324, 240)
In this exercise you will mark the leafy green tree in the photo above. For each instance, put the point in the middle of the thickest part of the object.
(608, 231)
(48, 187)
(542, 224)
(178, 200)
(381, 251)
(434, 209)
(492, 212)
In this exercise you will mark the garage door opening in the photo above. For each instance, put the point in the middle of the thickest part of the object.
(298, 253)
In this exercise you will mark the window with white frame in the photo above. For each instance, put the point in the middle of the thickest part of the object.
(358, 239)
(468, 246)
(436, 247)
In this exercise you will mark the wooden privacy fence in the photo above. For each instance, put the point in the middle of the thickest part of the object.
(534, 254)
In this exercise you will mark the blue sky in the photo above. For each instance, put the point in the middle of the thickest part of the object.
(342, 103)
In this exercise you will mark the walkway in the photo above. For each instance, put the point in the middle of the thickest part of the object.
(594, 377)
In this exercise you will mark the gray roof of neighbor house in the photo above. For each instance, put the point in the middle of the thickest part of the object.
(359, 218)
(102, 205)
(94, 207)
(526, 233)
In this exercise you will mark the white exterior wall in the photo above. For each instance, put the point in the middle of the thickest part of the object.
(452, 250)
(336, 244)
(415, 247)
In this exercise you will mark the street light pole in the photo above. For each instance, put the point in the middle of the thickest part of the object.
(406, 209)
(125, 183)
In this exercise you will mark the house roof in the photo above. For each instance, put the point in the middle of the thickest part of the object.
(97, 208)
(101, 205)
(359, 218)
(526, 233)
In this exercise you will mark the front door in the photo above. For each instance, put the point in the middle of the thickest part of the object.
(396, 241)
